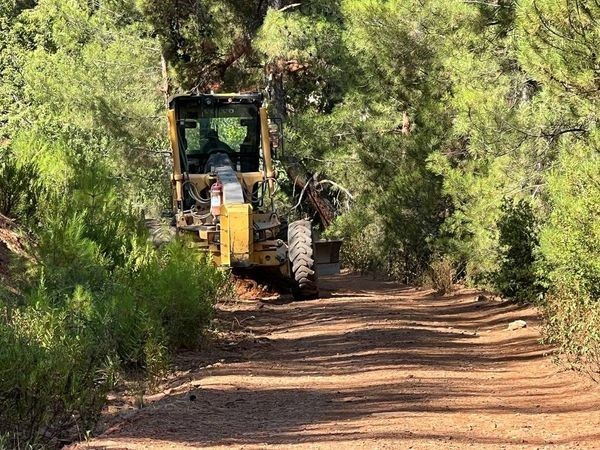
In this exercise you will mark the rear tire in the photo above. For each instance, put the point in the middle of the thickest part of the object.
(301, 256)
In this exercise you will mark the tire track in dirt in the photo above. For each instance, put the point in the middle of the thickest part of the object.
(372, 365)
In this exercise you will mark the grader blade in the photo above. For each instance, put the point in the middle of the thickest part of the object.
(327, 256)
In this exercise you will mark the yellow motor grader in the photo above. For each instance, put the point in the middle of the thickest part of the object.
(223, 179)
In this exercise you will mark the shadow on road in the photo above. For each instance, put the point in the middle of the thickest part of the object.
(311, 372)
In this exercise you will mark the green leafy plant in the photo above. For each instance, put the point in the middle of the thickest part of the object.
(570, 244)
(17, 192)
(518, 275)
(178, 286)
(52, 374)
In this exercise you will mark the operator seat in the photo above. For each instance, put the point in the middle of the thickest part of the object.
(214, 143)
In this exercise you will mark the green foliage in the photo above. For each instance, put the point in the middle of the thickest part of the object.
(572, 324)
(517, 276)
(363, 236)
(311, 37)
(179, 286)
(570, 245)
(53, 373)
(202, 40)
(61, 242)
(84, 323)
(84, 84)
(570, 241)
(559, 45)
(17, 197)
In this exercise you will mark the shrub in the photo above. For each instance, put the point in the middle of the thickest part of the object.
(517, 276)
(441, 275)
(67, 258)
(136, 340)
(17, 195)
(85, 322)
(573, 323)
(178, 286)
(52, 374)
(363, 235)
(570, 244)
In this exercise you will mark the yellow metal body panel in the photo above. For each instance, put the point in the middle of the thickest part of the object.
(177, 178)
(266, 148)
(236, 234)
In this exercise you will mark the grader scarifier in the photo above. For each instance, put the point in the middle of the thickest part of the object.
(223, 178)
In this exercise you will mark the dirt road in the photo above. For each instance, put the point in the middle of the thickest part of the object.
(374, 365)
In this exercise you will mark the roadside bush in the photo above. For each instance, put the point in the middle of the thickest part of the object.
(441, 275)
(137, 341)
(412, 214)
(86, 322)
(178, 286)
(570, 245)
(17, 197)
(96, 301)
(363, 238)
(517, 276)
(53, 375)
(67, 258)
(573, 323)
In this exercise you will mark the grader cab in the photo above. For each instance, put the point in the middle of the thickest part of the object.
(223, 181)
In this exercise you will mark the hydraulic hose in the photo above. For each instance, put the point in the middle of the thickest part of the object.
(193, 191)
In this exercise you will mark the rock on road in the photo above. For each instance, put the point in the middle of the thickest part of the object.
(373, 365)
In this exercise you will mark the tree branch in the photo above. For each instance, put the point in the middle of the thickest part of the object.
(293, 5)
